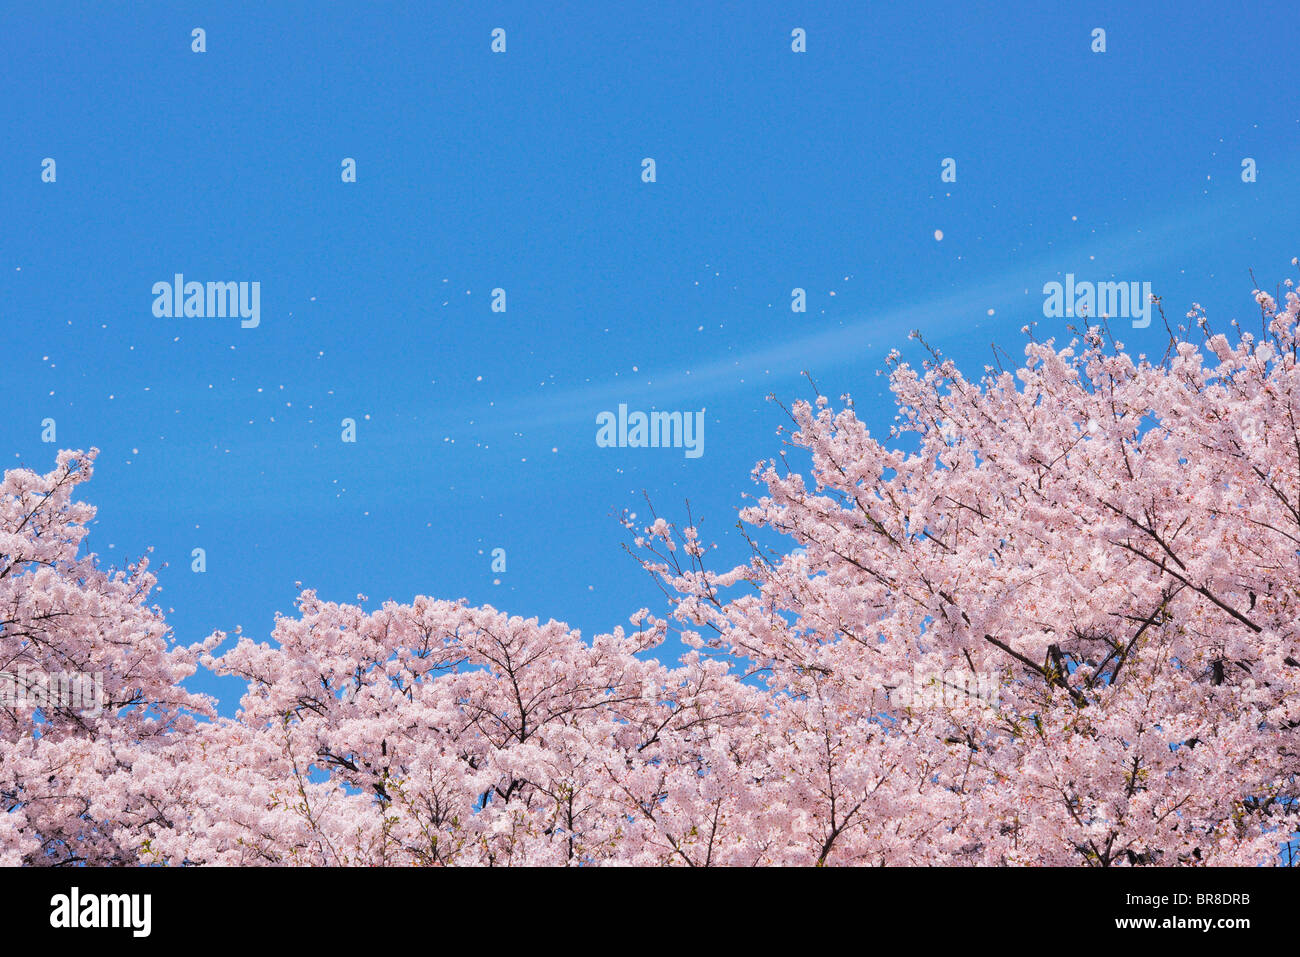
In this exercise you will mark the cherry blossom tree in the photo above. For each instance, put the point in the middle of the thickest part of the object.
(68, 627)
(434, 733)
(1050, 618)
(1107, 544)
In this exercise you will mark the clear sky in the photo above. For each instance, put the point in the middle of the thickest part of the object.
(523, 171)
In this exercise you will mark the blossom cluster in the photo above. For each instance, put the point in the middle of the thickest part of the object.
(1093, 544)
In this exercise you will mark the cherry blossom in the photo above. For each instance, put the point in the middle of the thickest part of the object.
(1049, 619)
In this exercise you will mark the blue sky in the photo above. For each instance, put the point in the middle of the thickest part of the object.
(522, 170)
